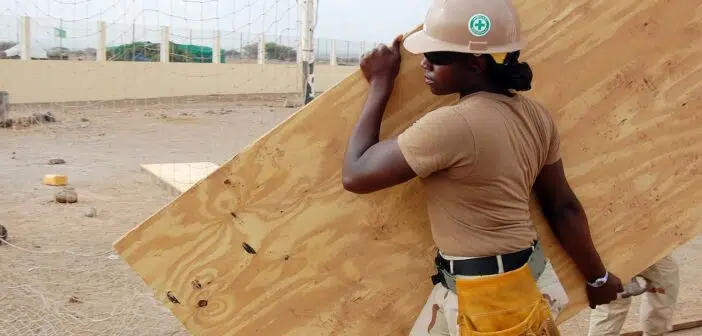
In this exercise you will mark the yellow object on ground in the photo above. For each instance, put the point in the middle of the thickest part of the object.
(55, 180)
(508, 304)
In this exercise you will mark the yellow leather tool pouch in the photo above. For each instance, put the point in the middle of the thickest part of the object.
(508, 304)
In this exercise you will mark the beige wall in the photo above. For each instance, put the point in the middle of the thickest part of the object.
(64, 81)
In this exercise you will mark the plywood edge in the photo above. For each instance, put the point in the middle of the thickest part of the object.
(309, 107)
(152, 170)
(177, 178)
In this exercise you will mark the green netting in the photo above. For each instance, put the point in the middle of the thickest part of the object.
(151, 52)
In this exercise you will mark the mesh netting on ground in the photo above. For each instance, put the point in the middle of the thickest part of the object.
(67, 292)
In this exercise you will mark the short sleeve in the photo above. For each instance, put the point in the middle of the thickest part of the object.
(554, 144)
(440, 139)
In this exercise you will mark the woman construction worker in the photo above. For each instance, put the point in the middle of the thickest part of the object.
(478, 160)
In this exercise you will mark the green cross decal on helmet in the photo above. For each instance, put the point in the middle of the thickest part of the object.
(469, 26)
(479, 24)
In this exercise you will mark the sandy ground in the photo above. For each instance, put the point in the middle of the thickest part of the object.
(60, 276)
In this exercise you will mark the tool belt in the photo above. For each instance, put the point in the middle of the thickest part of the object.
(448, 270)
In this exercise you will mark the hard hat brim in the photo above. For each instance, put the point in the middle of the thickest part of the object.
(420, 42)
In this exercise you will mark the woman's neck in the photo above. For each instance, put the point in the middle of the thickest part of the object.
(488, 88)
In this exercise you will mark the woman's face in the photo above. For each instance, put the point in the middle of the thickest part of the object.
(447, 73)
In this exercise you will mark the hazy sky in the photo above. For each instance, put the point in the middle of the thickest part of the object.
(338, 19)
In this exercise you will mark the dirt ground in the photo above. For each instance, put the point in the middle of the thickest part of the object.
(59, 274)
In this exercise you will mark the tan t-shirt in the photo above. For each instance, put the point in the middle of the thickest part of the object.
(478, 160)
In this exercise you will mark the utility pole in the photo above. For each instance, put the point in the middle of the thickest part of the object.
(308, 10)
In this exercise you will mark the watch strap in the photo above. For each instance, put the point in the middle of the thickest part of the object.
(599, 282)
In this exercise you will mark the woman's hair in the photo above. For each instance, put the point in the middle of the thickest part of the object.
(512, 74)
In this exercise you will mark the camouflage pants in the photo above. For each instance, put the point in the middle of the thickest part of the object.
(439, 315)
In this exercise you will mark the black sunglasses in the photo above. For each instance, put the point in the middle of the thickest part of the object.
(439, 57)
(448, 57)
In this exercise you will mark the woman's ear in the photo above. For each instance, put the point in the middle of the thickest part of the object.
(475, 64)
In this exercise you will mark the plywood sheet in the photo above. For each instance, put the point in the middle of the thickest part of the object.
(179, 177)
(270, 243)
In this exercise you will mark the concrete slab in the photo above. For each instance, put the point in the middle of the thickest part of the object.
(179, 177)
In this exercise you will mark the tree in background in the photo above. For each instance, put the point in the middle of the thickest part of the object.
(135, 52)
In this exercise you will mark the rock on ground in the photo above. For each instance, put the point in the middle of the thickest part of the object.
(92, 212)
(3, 234)
(66, 195)
(36, 118)
(57, 161)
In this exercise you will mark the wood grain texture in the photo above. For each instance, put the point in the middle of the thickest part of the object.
(621, 77)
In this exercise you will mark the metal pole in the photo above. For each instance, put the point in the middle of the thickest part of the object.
(61, 39)
(309, 22)
(4, 108)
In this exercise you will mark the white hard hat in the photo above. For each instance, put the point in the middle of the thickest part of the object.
(469, 26)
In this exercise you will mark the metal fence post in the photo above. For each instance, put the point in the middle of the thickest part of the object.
(4, 106)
